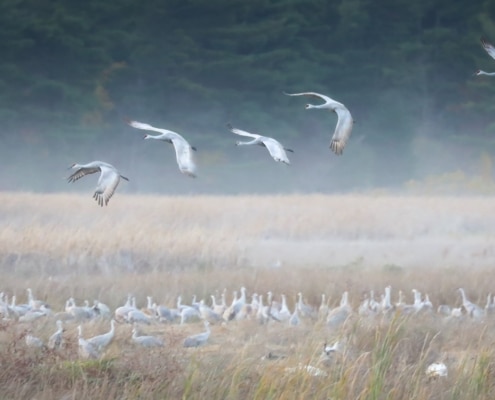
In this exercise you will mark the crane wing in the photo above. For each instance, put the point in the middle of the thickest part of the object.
(343, 130)
(184, 155)
(276, 150)
(241, 132)
(488, 47)
(82, 172)
(108, 182)
(146, 127)
(326, 99)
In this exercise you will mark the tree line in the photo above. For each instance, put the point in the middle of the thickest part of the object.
(70, 70)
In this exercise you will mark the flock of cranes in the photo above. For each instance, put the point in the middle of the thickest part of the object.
(273, 311)
(110, 176)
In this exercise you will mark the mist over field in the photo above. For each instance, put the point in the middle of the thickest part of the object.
(334, 277)
(71, 74)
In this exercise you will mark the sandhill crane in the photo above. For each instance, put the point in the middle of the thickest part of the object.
(56, 340)
(294, 319)
(101, 309)
(491, 52)
(323, 310)
(183, 150)
(86, 350)
(284, 314)
(472, 309)
(272, 303)
(386, 305)
(207, 313)
(364, 309)
(273, 311)
(134, 316)
(146, 341)
(427, 304)
(165, 314)
(262, 314)
(78, 312)
(33, 315)
(107, 183)
(345, 122)
(237, 304)
(102, 341)
(276, 150)
(373, 305)
(444, 309)
(255, 304)
(199, 339)
(18, 309)
(304, 309)
(121, 312)
(33, 303)
(33, 341)
(490, 305)
(189, 313)
(218, 308)
(339, 315)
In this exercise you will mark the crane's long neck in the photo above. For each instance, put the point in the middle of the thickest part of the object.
(344, 300)
(319, 106)
(485, 73)
(254, 141)
(163, 137)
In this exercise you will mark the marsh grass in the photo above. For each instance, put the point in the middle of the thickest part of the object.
(65, 246)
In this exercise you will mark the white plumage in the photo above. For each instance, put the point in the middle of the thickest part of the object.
(436, 369)
(33, 341)
(56, 340)
(199, 339)
(345, 122)
(86, 349)
(102, 341)
(491, 52)
(146, 341)
(107, 183)
(276, 150)
(183, 150)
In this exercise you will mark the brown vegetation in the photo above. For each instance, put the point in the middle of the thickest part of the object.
(64, 245)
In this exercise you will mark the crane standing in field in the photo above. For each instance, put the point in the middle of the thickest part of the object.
(107, 183)
(198, 339)
(345, 122)
(103, 340)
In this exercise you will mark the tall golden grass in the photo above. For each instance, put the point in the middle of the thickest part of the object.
(65, 245)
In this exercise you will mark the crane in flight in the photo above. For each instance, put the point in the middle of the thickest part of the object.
(345, 122)
(107, 183)
(491, 52)
(276, 150)
(183, 150)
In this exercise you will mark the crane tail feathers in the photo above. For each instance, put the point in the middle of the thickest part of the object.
(337, 147)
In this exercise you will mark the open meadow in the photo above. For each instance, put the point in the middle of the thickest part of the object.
(64, 246)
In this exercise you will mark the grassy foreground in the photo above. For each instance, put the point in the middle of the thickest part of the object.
(65, 245)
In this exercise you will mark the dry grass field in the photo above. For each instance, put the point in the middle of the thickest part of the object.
(65, 246)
